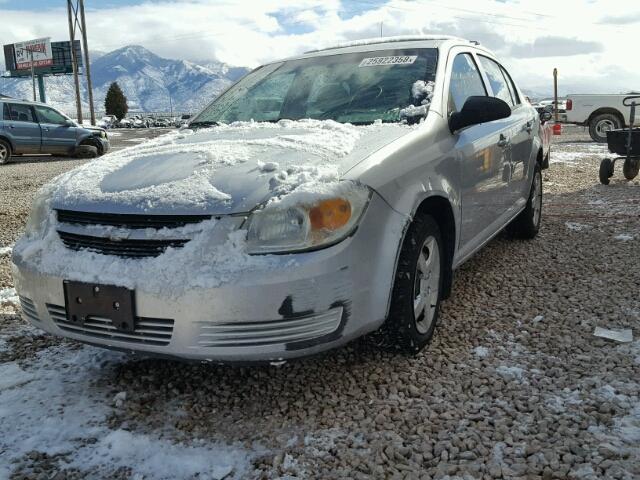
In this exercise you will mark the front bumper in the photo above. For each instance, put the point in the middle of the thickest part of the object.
(325, 299)
(106, 145)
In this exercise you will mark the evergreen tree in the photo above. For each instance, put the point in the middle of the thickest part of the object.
(115, 103)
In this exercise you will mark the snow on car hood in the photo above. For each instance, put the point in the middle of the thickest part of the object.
(220, 170)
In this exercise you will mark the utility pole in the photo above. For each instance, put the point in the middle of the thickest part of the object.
(73, 21)
(33, 77)
(87, 64)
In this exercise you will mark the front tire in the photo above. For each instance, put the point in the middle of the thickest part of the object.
(601, 124)
(527, 224)
(5, 152)
(417, 290)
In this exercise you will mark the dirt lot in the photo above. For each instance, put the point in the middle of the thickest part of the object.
(514, 385)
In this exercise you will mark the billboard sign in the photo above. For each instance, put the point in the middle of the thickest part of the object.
(60, 64)
(38, 50)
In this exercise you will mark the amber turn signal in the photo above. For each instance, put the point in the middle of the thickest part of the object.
(330, 214)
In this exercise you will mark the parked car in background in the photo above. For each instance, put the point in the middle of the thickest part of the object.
(125, 123)
(546, 131)
(108, 121)
(318, 199)
(30, 127)
(600, 113)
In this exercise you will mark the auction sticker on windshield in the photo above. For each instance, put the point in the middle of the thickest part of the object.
(382, 61)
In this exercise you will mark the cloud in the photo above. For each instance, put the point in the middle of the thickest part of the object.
(242, 33)
(627, 19)
(553, 46)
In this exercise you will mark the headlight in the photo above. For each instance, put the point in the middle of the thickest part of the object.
(306, 220)
(38, 217)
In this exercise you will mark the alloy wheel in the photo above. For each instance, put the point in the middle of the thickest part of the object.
(427, 284)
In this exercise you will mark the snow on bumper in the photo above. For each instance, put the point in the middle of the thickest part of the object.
(318, 301)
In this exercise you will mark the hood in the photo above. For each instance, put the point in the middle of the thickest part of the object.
(222, 170)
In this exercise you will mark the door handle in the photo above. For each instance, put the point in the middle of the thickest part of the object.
(503, 142)
(12, 126)
(46, 129)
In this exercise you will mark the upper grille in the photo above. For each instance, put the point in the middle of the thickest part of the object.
(150, 331)
(129, 220)
(123, 248)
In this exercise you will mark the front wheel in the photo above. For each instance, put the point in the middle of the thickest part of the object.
(417, 289)
(527, 223)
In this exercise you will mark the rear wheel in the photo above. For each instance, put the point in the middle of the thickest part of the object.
(630, 168)
(606, 171)
(601, 124)
(417, 289)
(527, 223)
(5, 152)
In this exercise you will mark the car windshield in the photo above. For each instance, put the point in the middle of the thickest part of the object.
(357, 88)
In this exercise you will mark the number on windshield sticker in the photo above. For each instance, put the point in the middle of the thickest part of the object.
(383, 61)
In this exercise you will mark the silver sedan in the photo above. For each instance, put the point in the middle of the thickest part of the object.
(320, 198)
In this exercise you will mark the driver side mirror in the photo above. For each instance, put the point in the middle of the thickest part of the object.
(545, 116)
(69, 123)
(479, 109)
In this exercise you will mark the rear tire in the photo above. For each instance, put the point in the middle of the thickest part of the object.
(5, 152)
(606, 171)
(417, 289)
(527, 224)
(630, 169)
(600, 124)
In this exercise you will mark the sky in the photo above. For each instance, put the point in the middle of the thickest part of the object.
(589, 41)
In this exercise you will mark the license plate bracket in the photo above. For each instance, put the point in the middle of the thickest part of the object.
(84, 300)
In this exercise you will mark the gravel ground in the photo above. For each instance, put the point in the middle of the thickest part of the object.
(514, 384)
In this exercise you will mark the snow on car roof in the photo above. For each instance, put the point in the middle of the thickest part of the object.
(398, 38)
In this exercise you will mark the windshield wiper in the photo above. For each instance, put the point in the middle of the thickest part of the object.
(203, 123)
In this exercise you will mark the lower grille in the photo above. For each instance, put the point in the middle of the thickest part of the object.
(269, 333)
(122, 248)
(29, 309)
(149, 331)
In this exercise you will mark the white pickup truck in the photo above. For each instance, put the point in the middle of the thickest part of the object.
(599, 112)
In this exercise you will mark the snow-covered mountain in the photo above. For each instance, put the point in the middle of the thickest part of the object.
(150, 82)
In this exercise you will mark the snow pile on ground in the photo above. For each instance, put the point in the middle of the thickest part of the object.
(8, 297)
(52, 405)
(624, 237)
(6, 250)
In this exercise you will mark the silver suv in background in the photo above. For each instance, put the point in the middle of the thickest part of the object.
(30, 127)
(320, 198)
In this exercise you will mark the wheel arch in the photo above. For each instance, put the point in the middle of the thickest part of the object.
(8, 140)
(606, 110)
(92, 141)
(441, 210)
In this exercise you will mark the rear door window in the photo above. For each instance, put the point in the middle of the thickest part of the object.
(20, 113)
(465, 82)
(512, 87)
(496, 80)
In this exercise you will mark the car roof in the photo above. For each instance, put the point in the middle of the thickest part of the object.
(22, 100)
(388, 43)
